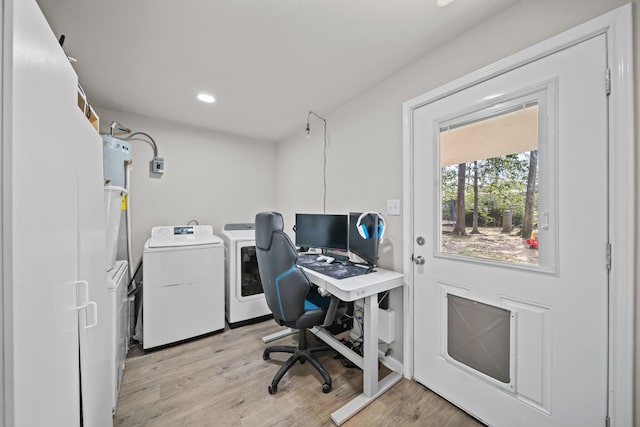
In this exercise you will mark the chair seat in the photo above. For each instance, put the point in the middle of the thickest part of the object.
(315, 307)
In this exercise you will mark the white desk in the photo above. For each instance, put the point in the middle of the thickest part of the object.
(366, 286)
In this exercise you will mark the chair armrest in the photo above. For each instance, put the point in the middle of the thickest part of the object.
(331, 312)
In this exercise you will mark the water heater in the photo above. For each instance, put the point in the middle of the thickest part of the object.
(115, 152)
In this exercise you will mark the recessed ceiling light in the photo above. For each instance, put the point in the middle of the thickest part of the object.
(205, 97)
(442, 3)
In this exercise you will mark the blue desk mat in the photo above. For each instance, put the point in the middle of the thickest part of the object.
(337, 270)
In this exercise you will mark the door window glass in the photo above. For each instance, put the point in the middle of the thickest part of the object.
(489, 184)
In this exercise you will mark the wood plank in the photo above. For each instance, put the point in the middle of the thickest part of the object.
(221, 380)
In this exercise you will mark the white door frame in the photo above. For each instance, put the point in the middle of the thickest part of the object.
(617, 26)
(6, 286)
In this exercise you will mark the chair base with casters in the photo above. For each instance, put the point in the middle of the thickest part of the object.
(302, 354)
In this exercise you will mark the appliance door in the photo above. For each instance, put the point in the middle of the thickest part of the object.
(248, 284)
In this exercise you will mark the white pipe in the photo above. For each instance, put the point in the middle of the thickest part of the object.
(127, 178)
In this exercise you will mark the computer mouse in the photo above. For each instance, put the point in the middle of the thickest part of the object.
(329, 259)
(321, 258)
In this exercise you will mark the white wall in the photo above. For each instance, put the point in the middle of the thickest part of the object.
(212, 177)
(364, 156)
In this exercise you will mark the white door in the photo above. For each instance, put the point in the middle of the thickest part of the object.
(96, 346)
(40, 215)
(516, 335)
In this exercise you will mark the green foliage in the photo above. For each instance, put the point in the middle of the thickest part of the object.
(502, 185)
(449, 179)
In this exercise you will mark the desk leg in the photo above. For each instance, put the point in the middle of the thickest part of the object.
(371, 388)
(370, 370)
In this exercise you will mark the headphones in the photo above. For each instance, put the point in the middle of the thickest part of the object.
(362, 229)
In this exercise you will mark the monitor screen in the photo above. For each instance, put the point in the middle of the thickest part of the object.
(322, 231)
(367, 249)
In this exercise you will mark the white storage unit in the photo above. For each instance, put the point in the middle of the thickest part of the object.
(183, 289)
(245, 301)
(55, 293)
(118, 317)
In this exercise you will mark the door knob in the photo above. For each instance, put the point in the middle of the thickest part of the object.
(419, 260)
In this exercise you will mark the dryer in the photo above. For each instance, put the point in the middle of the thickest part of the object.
(245, 301)
(183, 288)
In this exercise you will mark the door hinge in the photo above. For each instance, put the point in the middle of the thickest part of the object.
(607, 81)
(607, 422)
(608, 257)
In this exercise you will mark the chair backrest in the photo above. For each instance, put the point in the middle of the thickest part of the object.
(284, 283)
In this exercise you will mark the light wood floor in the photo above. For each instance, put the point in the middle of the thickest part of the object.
(221, 380)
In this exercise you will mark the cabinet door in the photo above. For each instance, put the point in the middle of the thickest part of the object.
(96, 346)
(40, 218)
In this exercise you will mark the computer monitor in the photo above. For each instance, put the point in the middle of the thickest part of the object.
(367, 249)
(322, 231)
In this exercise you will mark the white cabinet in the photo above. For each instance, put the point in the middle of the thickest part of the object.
(53, 234)
(96, 346)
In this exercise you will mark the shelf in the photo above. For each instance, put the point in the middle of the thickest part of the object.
(87, 110)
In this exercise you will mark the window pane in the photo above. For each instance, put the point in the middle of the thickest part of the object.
(489, 186)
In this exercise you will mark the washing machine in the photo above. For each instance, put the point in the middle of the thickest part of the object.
(183, 288)
(118, 313)
(245, 301)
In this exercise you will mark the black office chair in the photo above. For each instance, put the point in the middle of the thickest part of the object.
(292, 298)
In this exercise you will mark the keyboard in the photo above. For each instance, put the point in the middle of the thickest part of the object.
(337, 270)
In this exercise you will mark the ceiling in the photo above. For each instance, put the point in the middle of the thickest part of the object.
(267, 62)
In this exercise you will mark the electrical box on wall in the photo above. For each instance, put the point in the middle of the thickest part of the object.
(157, 165)
(393, 207)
